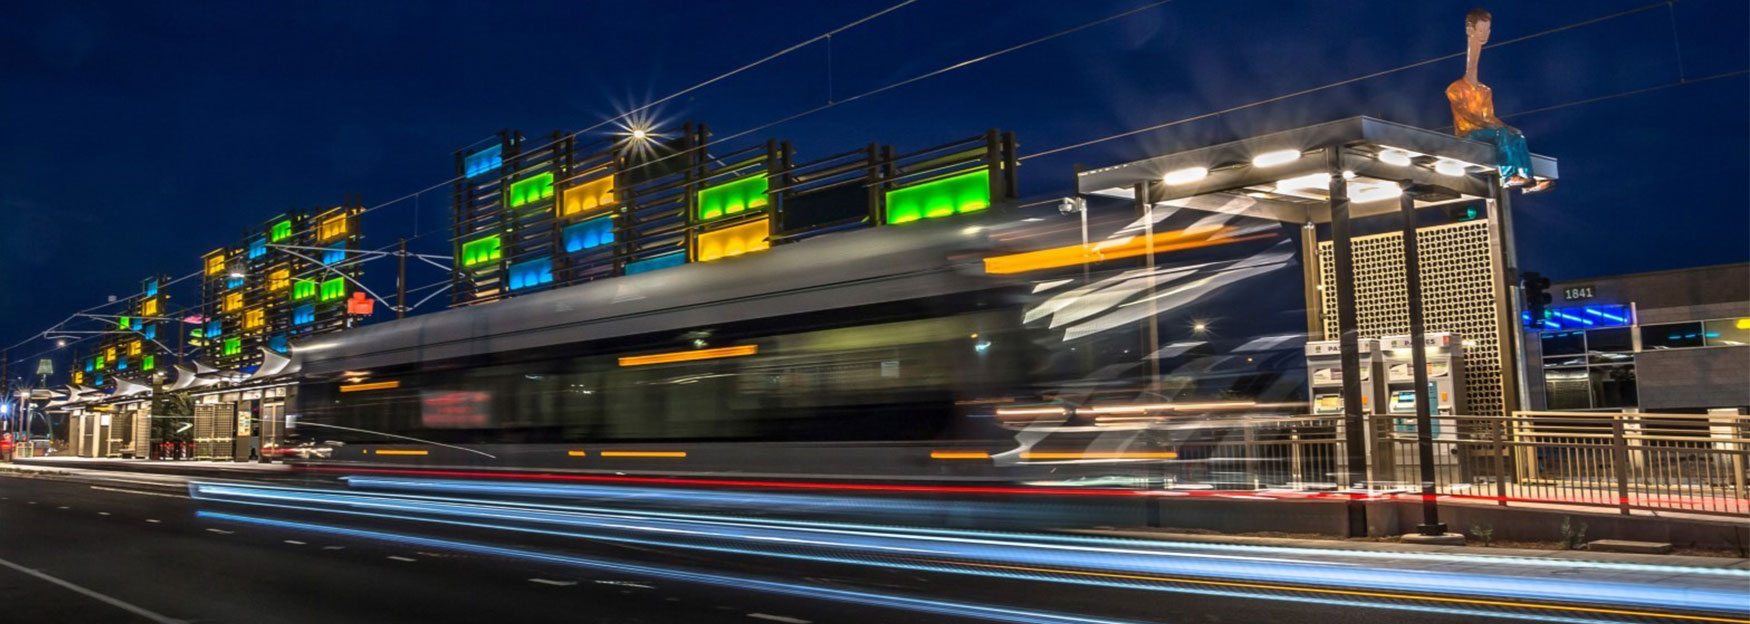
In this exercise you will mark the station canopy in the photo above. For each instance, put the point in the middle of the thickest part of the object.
(1285, 176)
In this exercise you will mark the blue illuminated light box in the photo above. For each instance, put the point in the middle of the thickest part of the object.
(152, 288)
(304, 314)
(589, 234)
(234, 281)
(150, 332)
(278, 343)
(1583, 317)
(531, 273)
(334, 253)
(257, 248)
(213, 329)
(483, 161)
(656, 264)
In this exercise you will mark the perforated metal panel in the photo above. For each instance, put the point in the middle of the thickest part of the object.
(1458, 289)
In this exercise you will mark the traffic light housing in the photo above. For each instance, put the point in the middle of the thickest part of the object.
(1537, 297)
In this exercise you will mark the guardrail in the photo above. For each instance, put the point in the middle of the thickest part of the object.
(1695, 463)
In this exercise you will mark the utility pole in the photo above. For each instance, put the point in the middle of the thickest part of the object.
(6, 387)
(401, 281)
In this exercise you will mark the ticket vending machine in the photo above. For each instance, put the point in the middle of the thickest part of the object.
(1324, 372)
(1445, 382)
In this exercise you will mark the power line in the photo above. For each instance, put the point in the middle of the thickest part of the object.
(1340, 83)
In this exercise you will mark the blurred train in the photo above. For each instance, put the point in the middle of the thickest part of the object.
(881, 352)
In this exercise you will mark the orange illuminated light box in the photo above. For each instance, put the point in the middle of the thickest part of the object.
(733, 241)
(588, 197)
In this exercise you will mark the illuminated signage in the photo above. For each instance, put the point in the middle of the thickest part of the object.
(732, 197)
(967, 192)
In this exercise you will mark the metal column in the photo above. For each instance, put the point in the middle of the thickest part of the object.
(1348, 329)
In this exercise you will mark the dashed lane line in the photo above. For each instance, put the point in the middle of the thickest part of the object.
(778, 618)
(128, 491)
(96, 595)
(295, 542)
(400, 558)
(220, 531)
(553, 582)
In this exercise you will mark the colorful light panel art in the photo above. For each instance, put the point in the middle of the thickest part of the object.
(481, 251)
(304, 314)
(588, 197)
(280, 231)
(216, 263)
(732, 197)
(334, 288)
(589, 234)
(657, 263)
(483, 161)
(233, 346)
(967, 192)
(531, 190)
(303, 288)
(735, 240)
(531, 273)
(279, 279)
(332, 228)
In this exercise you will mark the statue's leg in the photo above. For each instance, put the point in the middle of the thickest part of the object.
(1514, 153)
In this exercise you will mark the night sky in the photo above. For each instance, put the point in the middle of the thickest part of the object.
(140, 135)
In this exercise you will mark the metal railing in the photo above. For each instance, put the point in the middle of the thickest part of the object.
(1696, 463)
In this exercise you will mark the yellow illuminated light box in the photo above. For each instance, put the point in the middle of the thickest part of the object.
(149, 307)
(332, 228)
(253, 318)
(734, 241)
(233, 302)
(588, 197)
(216, 263)
(279, 280)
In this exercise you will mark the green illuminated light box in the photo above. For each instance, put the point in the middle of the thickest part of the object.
(533, 189)
(303, 288)
(967, 192)
(233, 346)
(334, 288)
(280, 231)
(732, 197)
(481, 251)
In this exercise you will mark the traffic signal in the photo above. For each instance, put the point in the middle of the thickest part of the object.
(1537, 297)
(1464, 212)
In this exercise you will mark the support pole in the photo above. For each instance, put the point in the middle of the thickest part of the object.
(401, 281)
(1145, 208)
(1419, 360)
(1349, 340)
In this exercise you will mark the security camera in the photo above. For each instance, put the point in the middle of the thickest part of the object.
(1071, 205)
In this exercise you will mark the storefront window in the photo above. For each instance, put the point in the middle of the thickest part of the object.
(1671, 336)
(1727, 332)
(1614, 386)
(1564, 343)
(1567, 389)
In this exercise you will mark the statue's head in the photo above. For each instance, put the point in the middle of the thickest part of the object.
(1476, 26)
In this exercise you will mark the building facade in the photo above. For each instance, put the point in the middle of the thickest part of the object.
(1664, 341)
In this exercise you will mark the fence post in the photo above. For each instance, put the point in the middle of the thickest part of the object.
(1500, 430)
(1619, 453)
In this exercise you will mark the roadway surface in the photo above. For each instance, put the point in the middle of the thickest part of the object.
(137, 548)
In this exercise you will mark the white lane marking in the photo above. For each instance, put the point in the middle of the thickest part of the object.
(552, 582)
(779, 618)
(127, 491)
(63, 507)
(626, 584)
(220, 531)
(152, 520)
(400, 558)
(102, 513)
(93, 594)
(294, 542)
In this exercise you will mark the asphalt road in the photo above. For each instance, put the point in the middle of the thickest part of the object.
(130, 551)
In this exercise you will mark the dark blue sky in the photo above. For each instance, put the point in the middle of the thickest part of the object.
(139, 135)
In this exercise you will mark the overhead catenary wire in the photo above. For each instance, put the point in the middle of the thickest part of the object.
(1340, 83)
